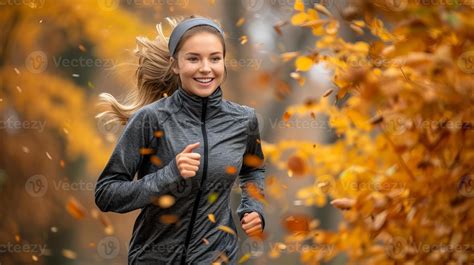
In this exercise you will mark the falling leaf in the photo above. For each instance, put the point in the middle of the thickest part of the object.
(332, 27)
(158, 134)
(277, 27)
(82, 48)
(357, 29)
(245, 258)
(212, 218)
(67, 253)
(155, 160)
(297, 223)
(299, 5)
(243, 40)
(240, 22)
(164, 201)
(297, 165)
(303, 63)
(251, 160)
(322, 9)
(212, 197)
(146, 151)
(226, 229)
(34, 258)
(288, 56)
(343, 203)
(327, 93)
(168, 219)
(231, 170)
(75, 209)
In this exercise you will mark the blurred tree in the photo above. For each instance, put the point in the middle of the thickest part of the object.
(401, 168)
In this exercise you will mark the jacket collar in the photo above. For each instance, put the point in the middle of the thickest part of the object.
(193, 104)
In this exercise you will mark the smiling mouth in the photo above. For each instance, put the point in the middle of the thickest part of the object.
(206, 80)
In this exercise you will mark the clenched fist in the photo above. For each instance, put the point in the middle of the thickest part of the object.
(188, 162)
(252, 224)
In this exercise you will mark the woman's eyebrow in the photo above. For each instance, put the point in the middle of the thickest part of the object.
(193, 53)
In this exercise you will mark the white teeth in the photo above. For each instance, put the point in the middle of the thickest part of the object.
(204, 80)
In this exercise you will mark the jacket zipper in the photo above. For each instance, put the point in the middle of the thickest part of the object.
(204, 175)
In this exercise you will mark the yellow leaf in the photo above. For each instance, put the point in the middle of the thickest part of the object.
(226, 229)
(303, 63)
(211, 217)
(299, 5)
(245, 258)
(299, 18)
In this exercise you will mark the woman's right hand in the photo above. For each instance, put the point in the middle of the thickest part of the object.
(188, 162)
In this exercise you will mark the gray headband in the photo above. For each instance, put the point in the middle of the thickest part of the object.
(184, 26)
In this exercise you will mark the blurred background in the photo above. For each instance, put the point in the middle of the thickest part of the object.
(56, 57)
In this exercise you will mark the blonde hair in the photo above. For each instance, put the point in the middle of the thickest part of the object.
(154, 74)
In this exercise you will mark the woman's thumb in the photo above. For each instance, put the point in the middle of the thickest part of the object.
(189, 148)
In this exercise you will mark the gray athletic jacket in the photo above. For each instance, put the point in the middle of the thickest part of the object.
(183, 233)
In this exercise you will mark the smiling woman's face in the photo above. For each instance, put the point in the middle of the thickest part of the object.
(201, 64)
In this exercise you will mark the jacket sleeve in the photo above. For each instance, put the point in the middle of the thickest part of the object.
(116, 189)
(252, 174)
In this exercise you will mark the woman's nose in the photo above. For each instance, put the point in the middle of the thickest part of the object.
(205, 67)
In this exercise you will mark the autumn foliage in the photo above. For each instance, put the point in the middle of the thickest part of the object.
(401, 167)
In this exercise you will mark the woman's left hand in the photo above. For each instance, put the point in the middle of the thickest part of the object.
(252, 224)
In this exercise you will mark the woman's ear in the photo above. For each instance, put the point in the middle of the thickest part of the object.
(174, 65)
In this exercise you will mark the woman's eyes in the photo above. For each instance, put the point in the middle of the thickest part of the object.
(195, 59)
